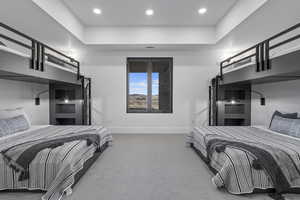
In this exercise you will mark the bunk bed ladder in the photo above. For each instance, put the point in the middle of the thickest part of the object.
(33, 55)
(37, 56)
(262, 56)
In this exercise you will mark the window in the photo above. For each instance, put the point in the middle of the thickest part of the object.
(149, 85)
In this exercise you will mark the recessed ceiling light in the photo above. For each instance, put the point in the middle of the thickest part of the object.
(202, 11)
(149, 12)
(97, 11)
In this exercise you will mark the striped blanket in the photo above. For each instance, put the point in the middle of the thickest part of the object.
(52, 170)
(236, 154)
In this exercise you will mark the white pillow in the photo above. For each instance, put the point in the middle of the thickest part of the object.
(10, 113)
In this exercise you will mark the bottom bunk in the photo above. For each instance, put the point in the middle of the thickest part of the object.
(56, 158)
(248, 160)
(78, 175)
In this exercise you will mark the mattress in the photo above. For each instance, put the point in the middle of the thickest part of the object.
(234, 166)
(24, 55)
(52, 170)
(277, 52)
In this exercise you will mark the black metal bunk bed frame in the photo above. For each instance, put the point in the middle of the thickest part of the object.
(38, 51)
(262, 52)
(37, 62)
(87, 96)
(263, 64)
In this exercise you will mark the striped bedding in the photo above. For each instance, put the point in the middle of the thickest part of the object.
(53, 170)
(234, 166)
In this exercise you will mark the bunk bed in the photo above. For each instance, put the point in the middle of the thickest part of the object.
(272, 60)
(64, 152)
(27, 59)
(23, 58)
(249, 159)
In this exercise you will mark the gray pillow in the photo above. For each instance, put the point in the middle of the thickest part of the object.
(295, 128)
(281, 124)
(13, 125)
(284, 115)
(4, 128)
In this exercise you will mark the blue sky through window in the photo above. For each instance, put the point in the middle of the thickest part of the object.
(155, 83)
(138, 83)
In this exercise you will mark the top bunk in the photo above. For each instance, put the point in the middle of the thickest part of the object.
(275, 59)
(23, 58)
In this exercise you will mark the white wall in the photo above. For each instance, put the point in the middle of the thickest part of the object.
(62, 15)
(191, 74)
(16, 94)
(150, 35)
(274, 16)
(238, 13)
(281, 96)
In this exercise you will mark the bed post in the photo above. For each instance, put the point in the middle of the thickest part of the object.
(209, 104)
(90, 101)
(78, 70)
(86, 96)
(221, 70)
(83, 99)
(214, 99)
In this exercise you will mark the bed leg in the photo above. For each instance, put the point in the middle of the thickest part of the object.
(188, 144)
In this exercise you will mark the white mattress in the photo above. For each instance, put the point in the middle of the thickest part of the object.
(273, 54)
(10, 50)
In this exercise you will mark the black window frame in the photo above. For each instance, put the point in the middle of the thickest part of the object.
(144, 59)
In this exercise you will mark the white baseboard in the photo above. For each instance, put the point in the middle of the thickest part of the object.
(150, 130)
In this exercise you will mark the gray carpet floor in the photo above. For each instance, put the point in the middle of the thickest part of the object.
(147, 167)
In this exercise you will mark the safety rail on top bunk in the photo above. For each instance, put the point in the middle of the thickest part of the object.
(261, 52)
(38, 53)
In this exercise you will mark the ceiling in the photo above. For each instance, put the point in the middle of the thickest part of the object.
(166, 12)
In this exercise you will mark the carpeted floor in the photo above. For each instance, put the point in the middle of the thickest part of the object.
(147, 167)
